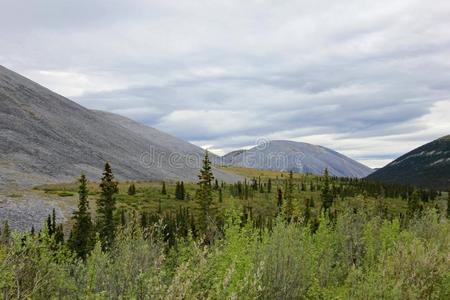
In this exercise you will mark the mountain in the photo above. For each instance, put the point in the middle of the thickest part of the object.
(45, 137)
(427, 166)
(297, 157)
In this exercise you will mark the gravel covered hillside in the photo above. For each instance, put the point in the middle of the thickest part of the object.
(297, 157)
(45, 137)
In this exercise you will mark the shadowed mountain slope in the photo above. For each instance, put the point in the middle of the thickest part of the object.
(427, 166)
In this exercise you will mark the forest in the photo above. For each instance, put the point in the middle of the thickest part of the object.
(275, 235)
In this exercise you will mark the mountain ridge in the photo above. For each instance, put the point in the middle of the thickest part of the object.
(46, 137)
(285, 155)
(427, 166)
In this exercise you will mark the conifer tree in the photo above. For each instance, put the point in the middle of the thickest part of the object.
(54, 220)
(289, 197)
(279, 199)
(123, 220)
(81, 239)
(269, 186)
(216, 184)
(182, 191)
(414, 203)
(49, 225)
(327, 197)
(177, 190)
(132, 189)
(448, 203)
(106, 207)
(59, 234)
(220, 195)
(5, 233)
(163, 189)
(204, 193)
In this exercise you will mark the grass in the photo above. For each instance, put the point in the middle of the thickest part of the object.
(148, 195)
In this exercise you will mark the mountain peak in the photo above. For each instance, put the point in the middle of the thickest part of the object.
(285, 155)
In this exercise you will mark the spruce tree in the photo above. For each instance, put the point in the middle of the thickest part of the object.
(327, 197)
(204, 193)
(269, 186)
(49, 225)
(220, 195)
(177, 190)
(53, 221)
(132, 189)
(59, 234)
(5, 233)
(106, 207)
(289, 197)
(182, 191)
(163, 189)
(279, 199)
(448, 203)
(414, 203)
(81, 239)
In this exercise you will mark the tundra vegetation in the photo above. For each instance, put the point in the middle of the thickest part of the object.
(273, 236)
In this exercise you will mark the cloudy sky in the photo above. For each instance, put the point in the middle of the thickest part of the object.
(370, 79)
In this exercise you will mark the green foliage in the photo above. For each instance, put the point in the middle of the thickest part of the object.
(365, 246)
(359, 256)
(65, 194)
(204, 193)
(163, 189)
(327, 196)
(288, 209)
(132, 190)
(81, 239)
(106, 206)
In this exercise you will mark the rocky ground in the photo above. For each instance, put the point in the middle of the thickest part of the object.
(24, 209)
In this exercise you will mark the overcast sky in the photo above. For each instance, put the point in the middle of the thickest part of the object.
(370, 79)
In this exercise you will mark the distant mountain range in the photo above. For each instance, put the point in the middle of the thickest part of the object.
(427, 166)
(297, 157)
(45, 137)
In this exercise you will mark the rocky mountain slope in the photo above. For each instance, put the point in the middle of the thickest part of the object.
(427, 166)
(298, 157)
(45, 137)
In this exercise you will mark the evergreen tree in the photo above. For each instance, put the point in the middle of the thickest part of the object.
(163, 190)
(269, 186)
(216, 184)
(448, 204)
(177, 190)
(106, 207)
(59, 234)
(49, 225)
(81, 239)
(5, 233)
(414, 203)
(132, 189)
(53, 221)
(279, 199)
(220, 195)
(123, 220)
(204, 193)
(289, 197)
(182, 191)
(327, 196)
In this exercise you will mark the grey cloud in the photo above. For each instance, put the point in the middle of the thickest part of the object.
(364, 70)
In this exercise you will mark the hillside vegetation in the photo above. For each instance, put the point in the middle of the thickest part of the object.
(273, 236)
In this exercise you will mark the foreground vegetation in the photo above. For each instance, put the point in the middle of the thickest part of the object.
(274, 236)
